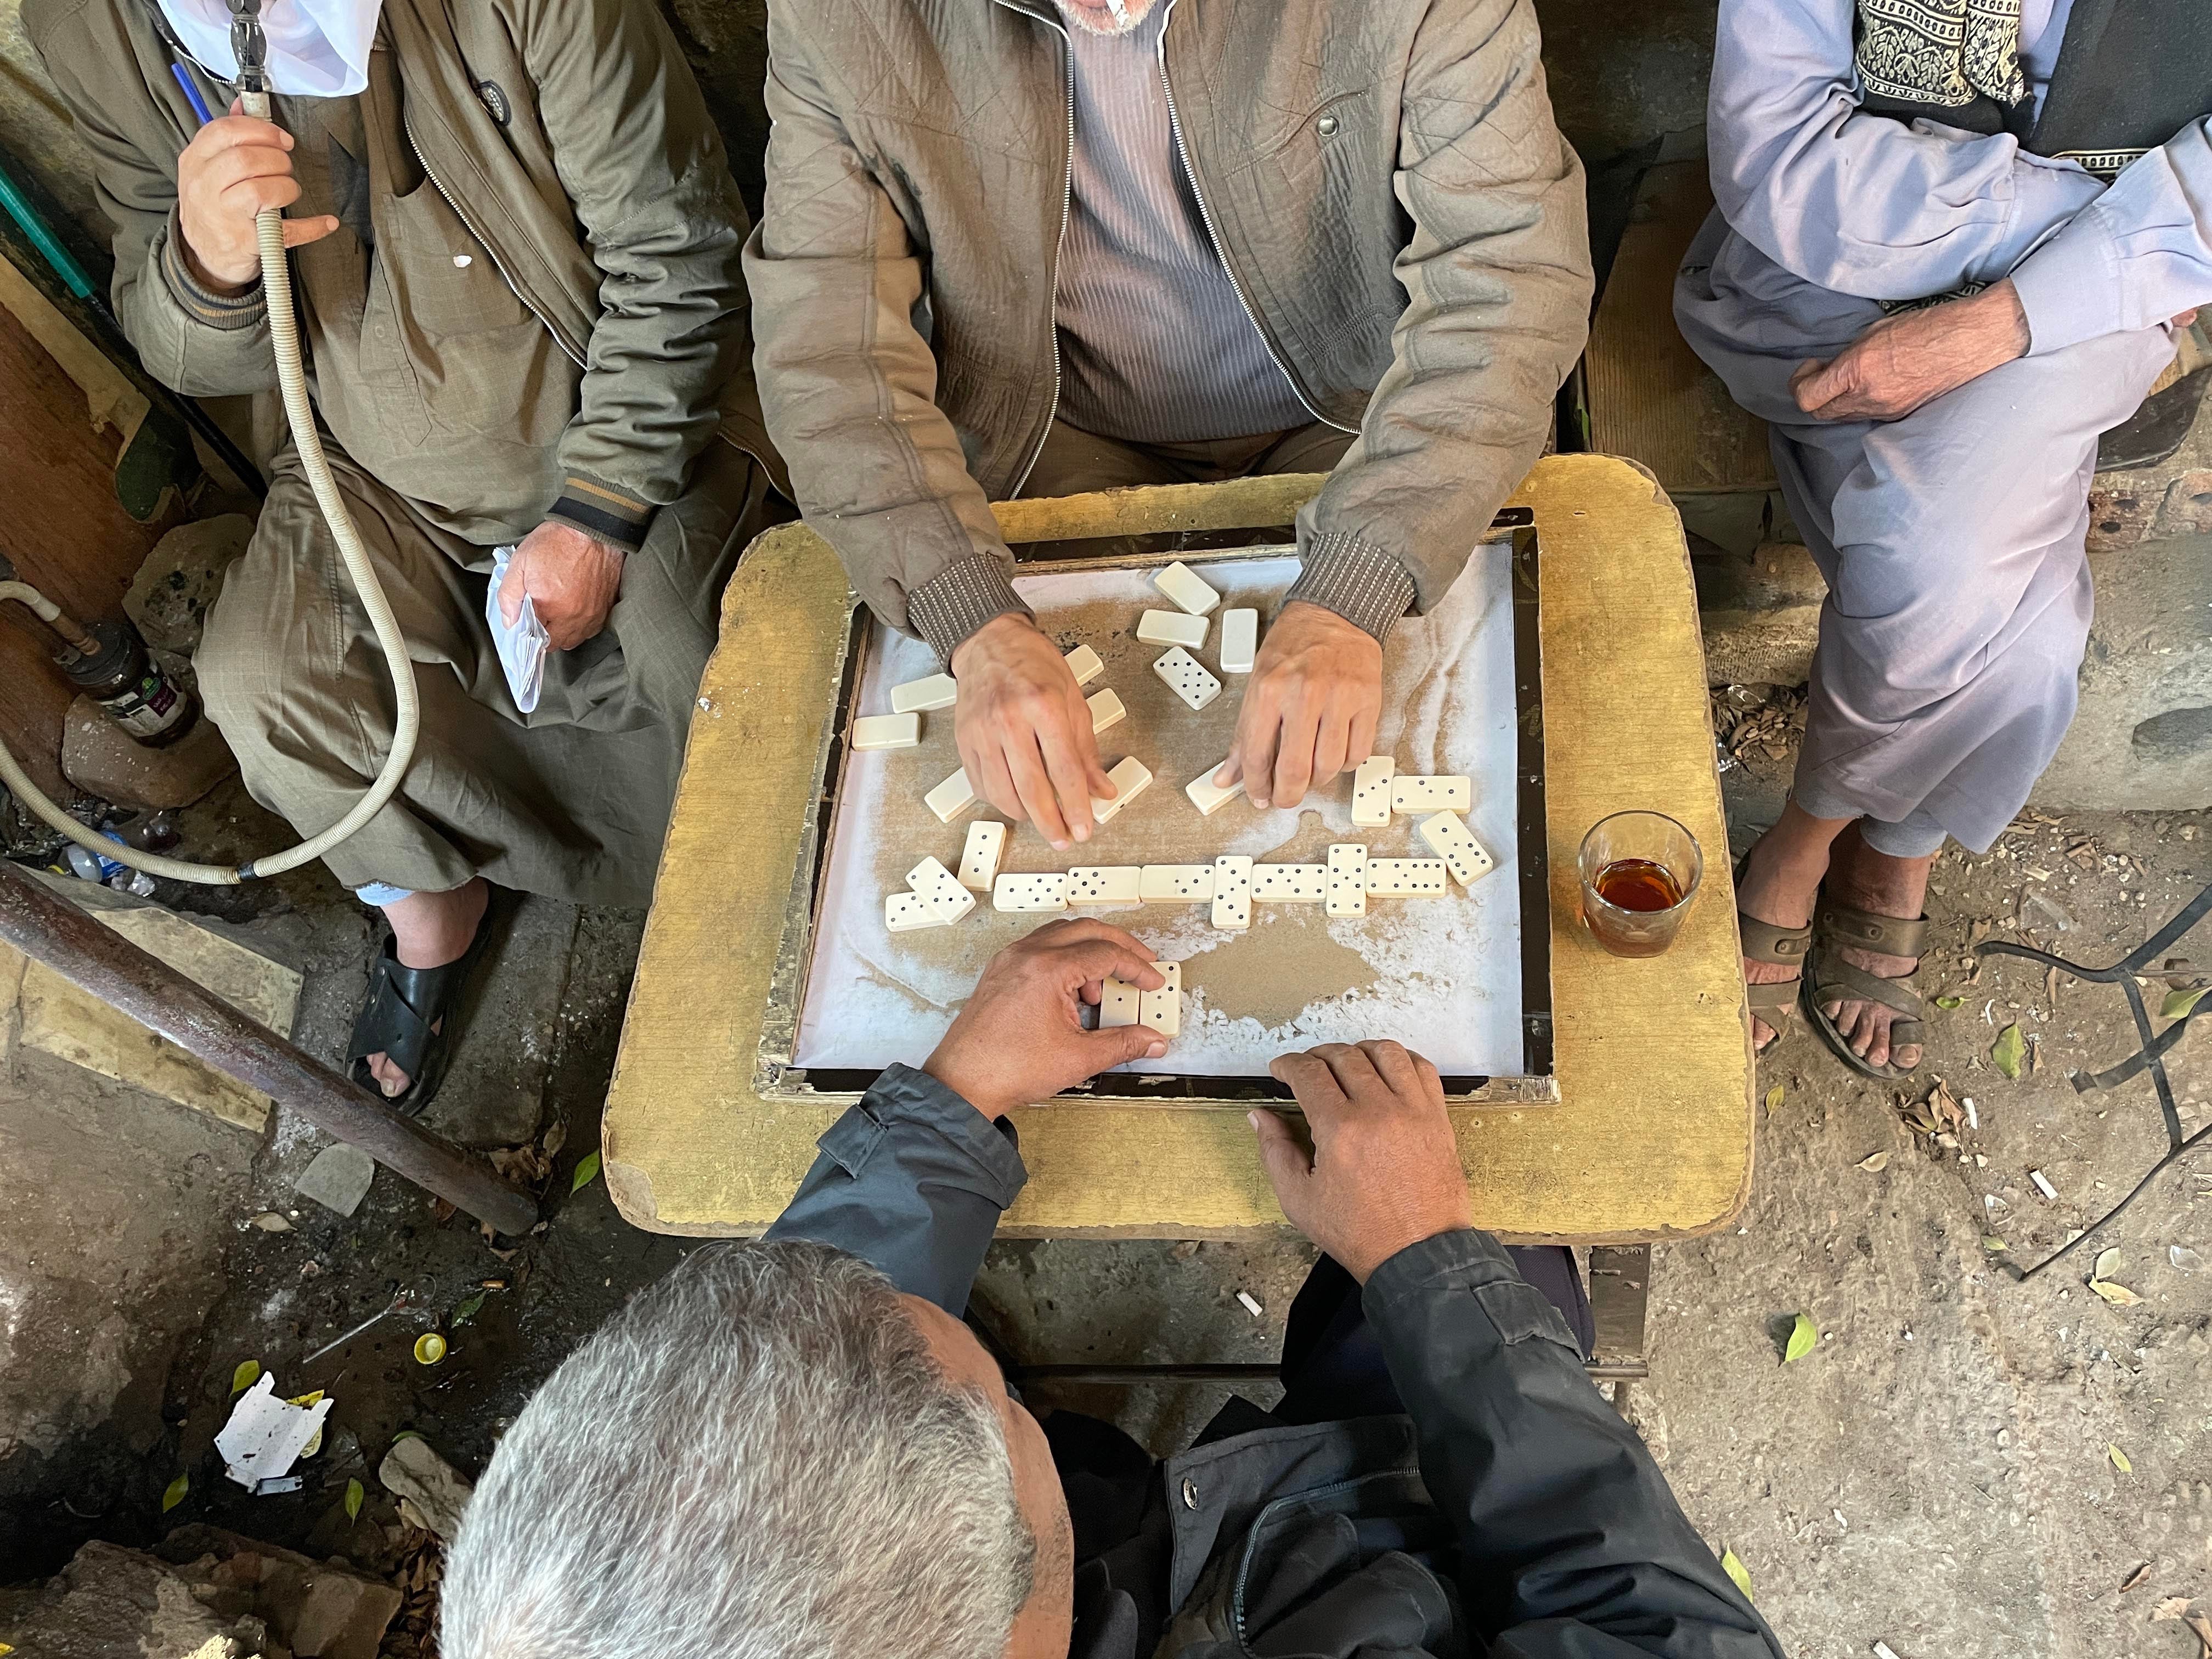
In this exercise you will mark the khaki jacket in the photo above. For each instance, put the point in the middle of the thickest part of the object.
(572, 140)
(1384, 182)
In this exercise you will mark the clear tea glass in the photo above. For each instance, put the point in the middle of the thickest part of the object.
(1639, 872)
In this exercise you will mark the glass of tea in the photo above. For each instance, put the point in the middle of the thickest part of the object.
(1639, 872)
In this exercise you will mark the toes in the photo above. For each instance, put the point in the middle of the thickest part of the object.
(1762, 1035)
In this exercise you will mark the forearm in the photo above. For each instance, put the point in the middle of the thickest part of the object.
(1861, 204)
(2138, 256)
(1562, 1517)
(848, 386)
(911, 1180)
(1497, 282)
(643, 165)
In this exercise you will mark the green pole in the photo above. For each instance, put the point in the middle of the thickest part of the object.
(42, 236)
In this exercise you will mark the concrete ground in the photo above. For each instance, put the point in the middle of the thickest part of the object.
(1936, 1474)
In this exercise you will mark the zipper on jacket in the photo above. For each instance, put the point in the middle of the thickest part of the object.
(1206, 216)
(1066, 201)
(423, 161)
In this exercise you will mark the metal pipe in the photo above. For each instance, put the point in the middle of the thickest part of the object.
(49, 613)
(97, 959)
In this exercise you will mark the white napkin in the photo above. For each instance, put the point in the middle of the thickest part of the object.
(522, 647)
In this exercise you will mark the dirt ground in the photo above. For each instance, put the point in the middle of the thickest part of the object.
(1942, 1472)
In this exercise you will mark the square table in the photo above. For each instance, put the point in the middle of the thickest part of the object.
(1650, 1137)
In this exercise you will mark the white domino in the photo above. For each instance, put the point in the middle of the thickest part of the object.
(1455, 843)
(1411, 795)
(1106, 710)
(1084, 664)
(886, 732)
(950, 798)
(1370, 791)
(1208, 796)
(940, 890)
(979, 859)
(1132, 777)
(1187, 588)
(1171, 628)
(1119, 1003)
(1347, 880)
(1289, 884)
(1240, 640)
(1109, 884)
(1232, 891)
(1406, 878)
(1047, 892)
(904, 912)
(1188, 678)
(919, 696)
(1176, 884)
(1162, 1010)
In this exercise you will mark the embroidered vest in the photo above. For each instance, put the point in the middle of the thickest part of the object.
(2130, 73)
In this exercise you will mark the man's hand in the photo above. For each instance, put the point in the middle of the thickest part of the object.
(1024, 732)
(235, 166)
(1904, 361)
(1021, 1040)
(572, 577)
(1384, 1172)
(1310, 710)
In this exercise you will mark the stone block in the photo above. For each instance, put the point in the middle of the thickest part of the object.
(101, 759)
(2142, 737)
(169, 598)
(1760, 614)
(53, 1017)
(114, 1603)
(425, 1482)
(315, 1609)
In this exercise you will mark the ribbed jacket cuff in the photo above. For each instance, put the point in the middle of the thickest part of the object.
(603, 511)
(958, 600)
(245, 309)
(1357, 581)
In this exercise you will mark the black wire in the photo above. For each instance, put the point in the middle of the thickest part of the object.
(2113, 1214)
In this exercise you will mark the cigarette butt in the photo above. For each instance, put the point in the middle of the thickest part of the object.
(1250, 1306)
(2043, 1186)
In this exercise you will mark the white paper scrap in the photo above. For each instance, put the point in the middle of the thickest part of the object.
(265, 1434)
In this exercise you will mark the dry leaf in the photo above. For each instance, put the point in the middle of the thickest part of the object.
(1773, 1099)
(1739, 1575)
(2202, 1627)
(555, 1138)
(441, 1211)
(2119, 1459)
(2173, 1607)
(2118, 1294)
(1875, 1164)
(2179, 1003)
(269, 1222)
(2135, 1578)
(2109, 1261)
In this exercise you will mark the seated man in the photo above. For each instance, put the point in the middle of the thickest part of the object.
(516, 263)
(1074, 245)
(795, 1448)
(1924, 276)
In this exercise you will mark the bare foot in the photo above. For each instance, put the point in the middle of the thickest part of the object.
(429, 930)
(1868, 880)
(1781, 876)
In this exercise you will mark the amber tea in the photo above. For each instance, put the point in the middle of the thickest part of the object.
(1639, 872)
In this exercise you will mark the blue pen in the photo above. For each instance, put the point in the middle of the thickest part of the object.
(192, 93)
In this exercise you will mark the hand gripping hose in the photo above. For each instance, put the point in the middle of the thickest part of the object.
(299, 410)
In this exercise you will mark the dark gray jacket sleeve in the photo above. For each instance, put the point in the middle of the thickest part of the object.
(1567, 1526)
(911, 1180)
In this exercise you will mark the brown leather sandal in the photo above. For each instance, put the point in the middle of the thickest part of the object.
(1828, 975)
(1784, 947)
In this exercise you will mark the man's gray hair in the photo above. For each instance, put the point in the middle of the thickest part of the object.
(758, 1456)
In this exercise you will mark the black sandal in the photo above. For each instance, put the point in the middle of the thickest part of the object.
(1828, 975)
(396, 1014)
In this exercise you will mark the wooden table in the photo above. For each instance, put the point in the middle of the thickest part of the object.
(1651, 1137)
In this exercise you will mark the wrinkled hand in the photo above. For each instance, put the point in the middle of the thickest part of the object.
(1021, 1040)
(235, 165)
(1904, 361)
(1024, 732)
(571, 577)
(1310, 709)
(1384, 1171)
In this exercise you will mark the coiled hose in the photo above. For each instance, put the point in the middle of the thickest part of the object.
(300, 410)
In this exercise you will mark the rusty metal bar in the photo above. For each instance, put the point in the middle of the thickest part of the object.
(97, 959)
